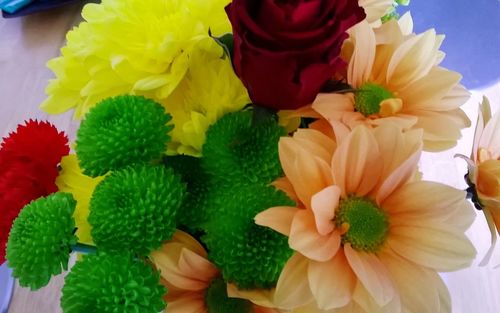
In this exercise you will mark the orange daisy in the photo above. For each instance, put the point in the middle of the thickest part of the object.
(194, 284)
(484, 169)
(396, 77)
(363, 227)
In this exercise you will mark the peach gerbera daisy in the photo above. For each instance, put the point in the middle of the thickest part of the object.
(395, 76)
(484, 170)
(366, 235)
(194, 284)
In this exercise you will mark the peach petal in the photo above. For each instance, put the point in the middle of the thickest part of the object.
(189, 242)
(292, 289)
(401, 153)
(323, 205)
(444, 294)
(402, 120)
(429, 201)
(414, 58)
(406, 23)
(284, 185)
(431, 89)
(362, 59)
(427, 299)
(278, 218)
(305, 239)
(190, 262)
(187, 304)
(306, 173)
(490, 137)
(317, 143)
(261, 297)
(332, 105)
(434, 245)
(441, 129)
(187, 281)
(332, 283)
(367, 303)
(356, 164)
(372, 274)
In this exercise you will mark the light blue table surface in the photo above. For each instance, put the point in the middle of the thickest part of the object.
(6, 288)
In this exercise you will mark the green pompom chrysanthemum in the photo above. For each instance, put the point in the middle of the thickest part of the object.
(134, 209)
(112, 283)
(217, 300)
(249, 255)
(235, 147)
(41, 238)
(192, 214)
(122, 131)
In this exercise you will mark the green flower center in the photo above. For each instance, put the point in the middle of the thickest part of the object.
(366, 224)
(368, 97)
(217, 301)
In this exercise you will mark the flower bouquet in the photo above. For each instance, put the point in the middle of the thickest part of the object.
(246, 156)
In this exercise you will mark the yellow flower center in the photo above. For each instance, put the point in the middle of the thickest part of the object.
(372, 99)
(365, 225)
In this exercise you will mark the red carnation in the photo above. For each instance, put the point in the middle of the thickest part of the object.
(29, 159)
(285, 51)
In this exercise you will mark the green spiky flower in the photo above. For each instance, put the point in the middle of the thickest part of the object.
(121, 131)
(235, 147)
(134, 209)
(249, 255)
(192, 213)
(369, 97)
(217, 300)
(112, 283)
(367, 224)
(41, 238)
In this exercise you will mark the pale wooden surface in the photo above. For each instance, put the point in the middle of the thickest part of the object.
(26, 44)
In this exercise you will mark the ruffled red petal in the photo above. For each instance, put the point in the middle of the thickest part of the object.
(29, 159)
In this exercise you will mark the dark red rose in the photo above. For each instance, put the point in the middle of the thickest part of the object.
(286, 50)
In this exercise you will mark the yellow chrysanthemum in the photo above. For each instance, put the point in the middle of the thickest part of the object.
(209, 90)
(147, 48)
(72, 180)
